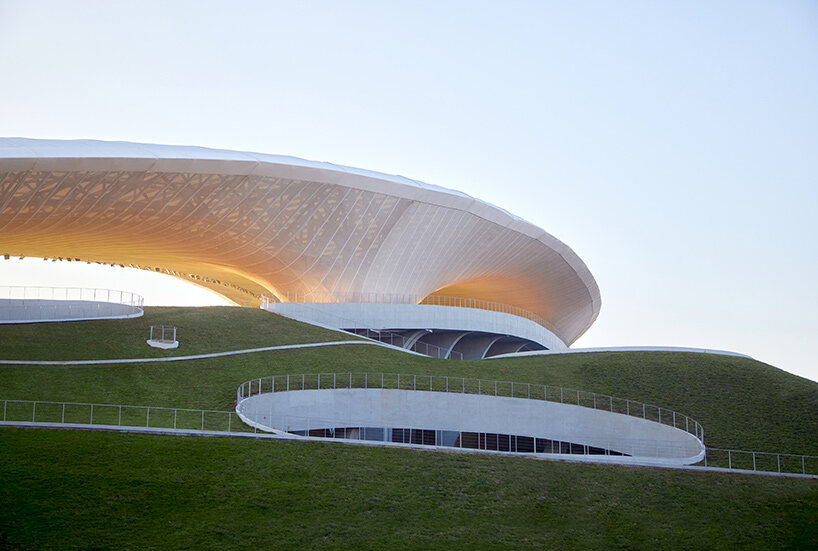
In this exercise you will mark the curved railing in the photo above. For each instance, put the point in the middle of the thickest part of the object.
(433, 300)
(48, 413)
(442, 383)
(28, 303)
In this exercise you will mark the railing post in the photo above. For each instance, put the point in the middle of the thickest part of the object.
(611, 398)
(479, 390)
(643, 411)
(729, 459)
(778, 456)
(628, 407)
(33, 411)
(118, 417)
(229, 418)
(92, 415)
(203, 420)
(366, 380)
(803, 466)
(148, 417)
(754, 460)
(62, 420)
(174, 418)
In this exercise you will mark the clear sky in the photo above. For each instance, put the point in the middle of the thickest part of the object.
(673, 145)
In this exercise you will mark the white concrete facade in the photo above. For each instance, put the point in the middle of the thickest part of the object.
(417, 316)
(247, 224)
(14, 311)
(300, 410)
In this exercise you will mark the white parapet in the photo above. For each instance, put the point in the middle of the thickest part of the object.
(301, 410)
(363, 315)
(23, 304)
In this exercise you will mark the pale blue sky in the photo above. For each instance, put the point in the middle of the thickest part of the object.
(672, 145)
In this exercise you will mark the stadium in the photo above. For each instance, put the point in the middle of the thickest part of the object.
(437, 270)
(372, 274)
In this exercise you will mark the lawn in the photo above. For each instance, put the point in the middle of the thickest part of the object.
(742, 403)
(199, 331)
(91, 490)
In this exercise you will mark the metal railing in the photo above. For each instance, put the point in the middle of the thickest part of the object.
(40, 411)
(432, 300)
(461, 385)
(390, 337)
(761, 461)
(79, 413)
(383, 335)
(23, 303)
(163, 333)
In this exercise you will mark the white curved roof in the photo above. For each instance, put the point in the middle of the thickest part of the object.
(283, 224)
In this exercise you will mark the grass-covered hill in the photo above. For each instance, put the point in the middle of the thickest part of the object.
(199, 331)
(82, 490)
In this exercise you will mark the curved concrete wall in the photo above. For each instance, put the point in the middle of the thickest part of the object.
(416, 316)
(306, 409)
(41, 310)
(247, 224)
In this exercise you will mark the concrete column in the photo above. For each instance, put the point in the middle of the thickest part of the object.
(505, 348)
(413, 336)
(475, 346)
(445, 340)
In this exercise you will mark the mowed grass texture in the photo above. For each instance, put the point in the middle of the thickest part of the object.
(90, 490)
(742, 403)
(199, 331)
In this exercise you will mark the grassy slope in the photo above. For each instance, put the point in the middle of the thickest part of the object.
(199, 331)
(112, 491)
(741, 403)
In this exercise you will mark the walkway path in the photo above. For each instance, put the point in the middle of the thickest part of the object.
(267, 436)
(201, 356)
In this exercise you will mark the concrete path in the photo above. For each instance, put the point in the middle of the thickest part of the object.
(201, 356)
(608, 460)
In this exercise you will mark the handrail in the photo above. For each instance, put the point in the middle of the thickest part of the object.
(27, 292)
(40, 304)
(389, 337)
(113, 413)
(463, 385)
(757, 461)
(429, 300)
(155, 417)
